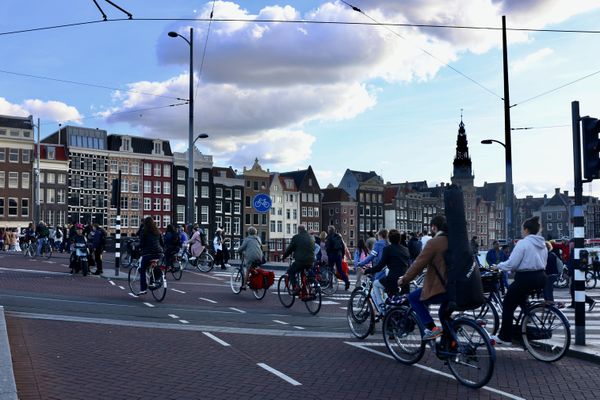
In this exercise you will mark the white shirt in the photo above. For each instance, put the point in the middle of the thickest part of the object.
(424, 240)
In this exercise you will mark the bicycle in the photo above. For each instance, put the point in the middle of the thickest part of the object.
(564, 279)
(177, 268)
(155, 276)
(489, 312)
(46, 250)
(205, 262)
(237, 281)
(29, 247)
(360, 312)
(591, 276)
(309, 293)
(465, 346)
(327, 279)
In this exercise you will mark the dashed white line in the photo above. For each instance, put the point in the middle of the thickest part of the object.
(178, 291)
(279, 374)
(112, 283)
(216, 339)
(121, 287)
(299, 327)
(183, 321)
(344, 308)
(173, 316)
(131, 294)
(281, 322)
(205, 299)
(329, 302)
(149, 305)
(238, 310)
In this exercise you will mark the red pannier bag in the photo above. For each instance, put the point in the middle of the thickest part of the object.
(261, 279)
(345, 268)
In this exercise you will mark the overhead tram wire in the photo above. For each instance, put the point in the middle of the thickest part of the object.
(556, 88)
(204, 50)
(89, 84)
(425, 51)
(301, 21)
(526, 128)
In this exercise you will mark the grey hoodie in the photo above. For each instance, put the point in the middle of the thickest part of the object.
(530, 254)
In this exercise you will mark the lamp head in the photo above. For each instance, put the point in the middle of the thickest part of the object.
(202, 136)
(486, 141)
(173, 34)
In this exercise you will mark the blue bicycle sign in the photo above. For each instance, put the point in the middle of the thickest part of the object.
(262, 203)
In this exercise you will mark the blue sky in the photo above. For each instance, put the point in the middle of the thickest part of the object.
(332, 96)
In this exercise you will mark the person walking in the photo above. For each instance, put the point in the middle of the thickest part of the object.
(414, 247)
(336, 249)
(98, 244)
(218, 246)
(43, 235)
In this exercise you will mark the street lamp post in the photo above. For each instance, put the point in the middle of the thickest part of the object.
(37, 214)
(190, 183)
(508, 209)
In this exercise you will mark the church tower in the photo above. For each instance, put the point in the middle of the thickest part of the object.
(463, 172)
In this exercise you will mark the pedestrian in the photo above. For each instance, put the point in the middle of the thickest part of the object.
(370, 242)
(218, 246)
(360, 254)
(43, 235)
(322, 245)
(414, 246)
(553, 266)
(572, 265)
(475, 246)
(494, 256)
(98, 244)
(226, 246)
(58, 238)
(14, 241)
(336, 249)
(425, 238)
(375, 254)
(2, 239)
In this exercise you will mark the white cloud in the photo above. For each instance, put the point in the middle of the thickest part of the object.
(46, 110)
(531, 60)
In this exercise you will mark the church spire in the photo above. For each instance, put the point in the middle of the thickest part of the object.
(462, 160)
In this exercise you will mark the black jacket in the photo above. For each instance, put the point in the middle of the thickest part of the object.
(151, 243)
(303, 247)
(396, 258)
(414, 247)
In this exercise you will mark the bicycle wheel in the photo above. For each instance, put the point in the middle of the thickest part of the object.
(48, 251)
(284, 292)
(402, 335)
(260, 293)
(133, 279)
(360, 314)
(473, 362)
(487, 315)
(237, 280)
(205, 262)
(563, 280)
(546, 333)
(125, 258)
(329, 282)
(25, 249)
(313, 299)
(177, 269)
(590, 280)
(159, 290)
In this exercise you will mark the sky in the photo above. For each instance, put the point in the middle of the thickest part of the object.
(334, 96)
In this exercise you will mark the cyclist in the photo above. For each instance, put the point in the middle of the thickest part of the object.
(302, 245)
(43, 233)
(29, 235)
(77, 237)
(377, 251)
(172, 241)
(360, 254)
(251, 250)
(494, 256)
(151, 247)
(396, 258)
(434, 284)
(528, 261)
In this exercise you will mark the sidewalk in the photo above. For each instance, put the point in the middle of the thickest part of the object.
(8, 388)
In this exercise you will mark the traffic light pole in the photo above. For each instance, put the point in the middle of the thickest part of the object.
(579, 255)
(118, 228)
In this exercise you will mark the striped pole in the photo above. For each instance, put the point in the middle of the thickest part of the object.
(118, 228)
(579, 255)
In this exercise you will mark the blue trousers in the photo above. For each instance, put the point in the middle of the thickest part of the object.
(420, 306)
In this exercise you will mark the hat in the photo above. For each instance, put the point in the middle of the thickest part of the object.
(79, 226)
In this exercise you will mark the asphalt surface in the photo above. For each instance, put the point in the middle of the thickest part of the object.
(75, 337)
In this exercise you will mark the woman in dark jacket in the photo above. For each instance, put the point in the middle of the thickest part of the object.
(98, 243)
(172, 244)
(151, 248)
(396, 258)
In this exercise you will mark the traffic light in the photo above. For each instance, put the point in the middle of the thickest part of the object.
(114, 193)
(591, 147)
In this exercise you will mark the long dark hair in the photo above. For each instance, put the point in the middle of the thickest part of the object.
(171, 228)
(150, 226)
(362, 247)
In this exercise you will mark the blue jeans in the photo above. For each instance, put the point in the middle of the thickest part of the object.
(144, 264)
(549, 288)
(420, 306)
(41, 242)
(378, 293)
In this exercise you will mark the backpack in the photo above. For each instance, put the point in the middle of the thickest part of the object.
(463, 286)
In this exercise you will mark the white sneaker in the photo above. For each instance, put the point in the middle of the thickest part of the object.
(228, 265)
(500, 342)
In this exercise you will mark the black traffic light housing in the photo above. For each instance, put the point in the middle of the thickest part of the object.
(591, 147)
(114, 193)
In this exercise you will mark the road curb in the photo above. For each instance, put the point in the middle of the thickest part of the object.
(8, 387)
(580, 354)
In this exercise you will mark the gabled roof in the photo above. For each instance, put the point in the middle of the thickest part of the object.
(7, 121)
(331, 195)
(364, 176)
(489, 191)
(228, 172)
(558, 199)
(139, 144)
(299, 176)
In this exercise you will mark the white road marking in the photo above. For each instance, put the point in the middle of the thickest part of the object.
(238, 310)
(131, 294)
(328, 302)
(149, 305)
(207, 275)
(178, 291)
(183, 321)
(216, 339)
(435, 371)
(209, 300)
(280, 322)
(279, 374)
(112, 283)
(173, 316)
(121, 287)
(344, 308)
(299, 327)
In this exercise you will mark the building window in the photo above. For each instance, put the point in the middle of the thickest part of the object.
(25, 156)
(166, 170)
(135, 204)
(13, 155)
(2, 154)
(180, 214)
(204, 214)
(247, 201)
(13, 180)
(24, 207)
(12, 207)
(147, 187)
(218, 193)
(303, 212)
(135, 186)
(147, 204)
(24, 180)
(157, 187)
(167, 187)
(237, 208)
(166, 221)
(157, 169)
(236, 226)
(157, 220)
(1, 207)
(135, 170)
(2, 179)
(181, 190)
(279, 226)
(272, 226)
(114, 167)
(181, 175)
(219, 206)
(204, 192)
(147, 169)
(237, 194)
(157, 148)
(50, 196)
(124, 185)
(204, 177)
(549, 226)
(156, 204)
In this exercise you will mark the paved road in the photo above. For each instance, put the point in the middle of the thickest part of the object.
(74, 337)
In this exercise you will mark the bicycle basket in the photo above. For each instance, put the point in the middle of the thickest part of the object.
(489, 282)
(535, 333)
